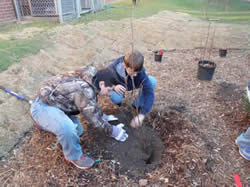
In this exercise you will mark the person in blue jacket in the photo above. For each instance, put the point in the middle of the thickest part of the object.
(243, 141)
(130, 74)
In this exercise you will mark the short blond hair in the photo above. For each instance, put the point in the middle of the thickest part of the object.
(134, 60)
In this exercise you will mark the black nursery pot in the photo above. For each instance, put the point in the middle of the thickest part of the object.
(206, 70)
(158, 57)
(223, 52)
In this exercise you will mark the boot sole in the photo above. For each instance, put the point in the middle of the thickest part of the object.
(84, 168)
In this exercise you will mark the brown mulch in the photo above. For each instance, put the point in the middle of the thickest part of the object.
(197, 121)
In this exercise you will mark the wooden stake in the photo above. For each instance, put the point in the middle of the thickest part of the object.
(31, 13)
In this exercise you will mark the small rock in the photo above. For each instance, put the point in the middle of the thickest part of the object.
(143, 182)
(165, 180)
(149, 176)
(113, 177)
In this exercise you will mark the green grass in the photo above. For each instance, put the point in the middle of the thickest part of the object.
(15, 27)
(232, 11)
(11, 51)
(235, 11)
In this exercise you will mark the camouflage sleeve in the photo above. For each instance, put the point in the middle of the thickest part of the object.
(86, 103)
(45, 91)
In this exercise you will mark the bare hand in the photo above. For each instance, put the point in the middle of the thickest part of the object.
(137, 121)
(120, 89)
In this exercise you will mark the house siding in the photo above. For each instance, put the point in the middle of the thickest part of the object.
(7, 11)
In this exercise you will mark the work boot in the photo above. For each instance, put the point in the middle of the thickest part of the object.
(84, 162)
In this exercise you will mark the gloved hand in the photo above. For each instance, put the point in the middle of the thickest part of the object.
(137, 121)
(109, 117)
(119, 133)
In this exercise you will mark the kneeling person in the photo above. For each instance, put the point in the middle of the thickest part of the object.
(63, 97)
(130, 74)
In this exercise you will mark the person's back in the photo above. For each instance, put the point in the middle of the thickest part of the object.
(60, 90)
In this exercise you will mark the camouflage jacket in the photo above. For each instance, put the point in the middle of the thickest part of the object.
(74, 93)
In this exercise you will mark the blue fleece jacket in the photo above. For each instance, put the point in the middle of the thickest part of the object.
(140, 80)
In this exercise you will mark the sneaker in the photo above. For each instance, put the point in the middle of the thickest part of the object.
(84, 162)
(245, 153)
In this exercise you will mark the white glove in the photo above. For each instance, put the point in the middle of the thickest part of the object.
(109, 117)
(119, 133)
(137, 121)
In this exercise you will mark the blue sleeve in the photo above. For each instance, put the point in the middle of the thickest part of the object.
(148, 92)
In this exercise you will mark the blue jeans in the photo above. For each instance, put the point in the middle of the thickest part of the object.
(243, 141)
(66, 128)
(117, 98)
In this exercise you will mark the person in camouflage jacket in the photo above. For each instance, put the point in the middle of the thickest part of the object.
(64, 96)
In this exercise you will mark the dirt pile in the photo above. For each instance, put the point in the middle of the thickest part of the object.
(141, 152)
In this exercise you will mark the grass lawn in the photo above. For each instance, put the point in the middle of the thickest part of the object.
(232, 11)
(13, 27)
(12, 50)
